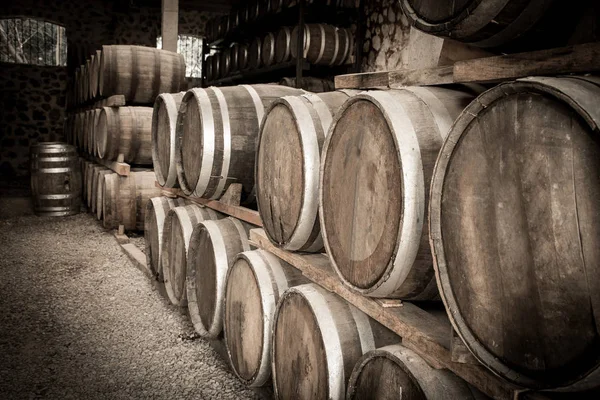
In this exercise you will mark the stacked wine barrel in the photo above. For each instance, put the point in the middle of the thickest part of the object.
(323, 45)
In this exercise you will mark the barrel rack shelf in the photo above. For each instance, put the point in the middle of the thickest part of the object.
(120, 168)
(300, 13)
(578, 59)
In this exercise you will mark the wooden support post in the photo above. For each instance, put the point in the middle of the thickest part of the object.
(170, 20)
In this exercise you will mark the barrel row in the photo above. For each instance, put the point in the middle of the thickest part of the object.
(137, 72)
(218, 27)
(323, 45)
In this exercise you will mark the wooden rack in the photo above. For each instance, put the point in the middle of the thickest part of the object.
(584, 58)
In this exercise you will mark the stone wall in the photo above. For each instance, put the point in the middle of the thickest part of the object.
(32, 99)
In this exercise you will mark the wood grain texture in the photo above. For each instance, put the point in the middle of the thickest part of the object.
(164, 124)
(514, 213)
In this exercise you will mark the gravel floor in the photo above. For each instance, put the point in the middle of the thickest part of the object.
(78, 321)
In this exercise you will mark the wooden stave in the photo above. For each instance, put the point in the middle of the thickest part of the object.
(98, 192)
(429, 383)
(273, 277)
(356, 334)
(267, 51)
(157, 209)
(408, 273)
(114, 139)
(283, 42)
(313, 115)
(146, 85)
(169, 102)
(580, 98)
(139, 186)
(228, 237)
(91, 178)
(234, 99)
(187, 217)
(55, 179)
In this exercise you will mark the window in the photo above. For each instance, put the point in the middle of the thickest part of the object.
(29, 41)
(191, 49)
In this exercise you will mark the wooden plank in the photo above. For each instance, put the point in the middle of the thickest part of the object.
(419, 330)
(117, 100)
(365, 80)
(137, 257)
(425, 77)
(565, 60)
(239, 212)
(120, 168)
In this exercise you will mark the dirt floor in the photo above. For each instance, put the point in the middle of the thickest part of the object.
(79, 321)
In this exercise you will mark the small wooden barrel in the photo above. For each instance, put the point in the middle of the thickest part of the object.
(287, 167)
(495, 23)
(254, 58)
(140, 73)
(125, 198)
(283, 45)
(267, 52)
(242, 57)
(91, 176)
(311, 84)
(126, 131)
(97, 178)
(376, 170)
(164, 122)
(217, 130)
(177, 231)
(55, 179)
(396, 372)
(323, 44)
(212, 250)
(515, 227)
(156, 212)
(216, 65)
(317, 339)
(224, 64)
(254, 284)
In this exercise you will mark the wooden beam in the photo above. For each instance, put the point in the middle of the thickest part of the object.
(420, 330)
(425, 77)
(169, 24)
(137, 257)
(120, 168)
(365, 80)
(565, 60)
(239, 212)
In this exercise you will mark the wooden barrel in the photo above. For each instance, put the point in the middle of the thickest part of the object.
(396, 372)
(212, 250)
(267, 52)
(99, 190)
(323, 44)
(164, 122)
(283, 43)
(311, 84)
(140, 73)
(217, 130)
(156, 212)
(86, 80)
(85, 165)
(254, 284)
(97, 177)
(209, 68)
(177, 231)
(224, 65)
(216, 65)
(377, 166)
(515, 227)
(76, 89)
(55, 179)
(242, 57)
(287, 167)
(91, 177)
(84, 131)
(125, 198)
(126, 131)
(233, 58)
(317, 339)
(92, 121)
(254, 49)
(80, 128)
(495, 23)
(93, 76)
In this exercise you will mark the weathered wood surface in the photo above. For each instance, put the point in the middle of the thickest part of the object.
(254, 284)
(515, 227)
(243, 213)
(125, 132)
(164, 141)
(396, 372)
(584, 58)
(420, 331)
(329, 336)
(323, 44)
(375, 175)
(212, 250)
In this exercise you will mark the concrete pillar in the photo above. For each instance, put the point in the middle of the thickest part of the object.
(169, 24)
